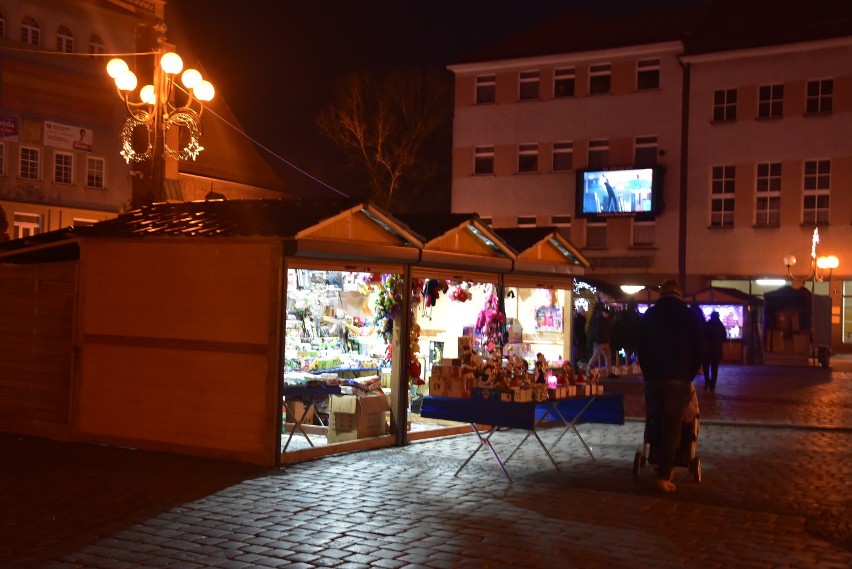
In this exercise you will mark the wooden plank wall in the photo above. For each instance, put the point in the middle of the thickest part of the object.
(36, 339)
(179, 346)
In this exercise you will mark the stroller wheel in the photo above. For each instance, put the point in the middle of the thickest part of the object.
(695, 469)
(638, 463)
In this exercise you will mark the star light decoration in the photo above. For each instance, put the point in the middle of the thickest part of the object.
(156, 107)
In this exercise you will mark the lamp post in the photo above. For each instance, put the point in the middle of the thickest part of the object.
(820, 268)
(155, 108)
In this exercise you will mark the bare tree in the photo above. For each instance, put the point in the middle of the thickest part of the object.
(388, 124)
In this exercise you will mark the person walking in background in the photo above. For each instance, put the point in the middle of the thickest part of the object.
(600, 334)
(670, 351)
(578, 346)
(715, 336)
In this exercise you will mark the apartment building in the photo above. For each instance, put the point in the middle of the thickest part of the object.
(744, 125)
(61, 118)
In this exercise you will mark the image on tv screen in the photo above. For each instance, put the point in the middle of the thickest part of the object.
(610, 192)
(731, 316)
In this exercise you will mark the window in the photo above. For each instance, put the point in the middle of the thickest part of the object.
(600, 77)
(648, 74)
(483, 160)
(26, 225)
(97, 45)
(644, 233)
(819, 96)
(486, 89)
(725, 105)
(596, 235)
(95, 168)
(65, 40)
(528, 86)
(645, 151)
(722, 196)
(560, 220)
(528, 158)
(563, 156)
(30, 163)
(30, 31)
(526, 221)
(63, 166)
(598, 153)
(770, 101)
(768, 204)
(563, 83)
(817, 186)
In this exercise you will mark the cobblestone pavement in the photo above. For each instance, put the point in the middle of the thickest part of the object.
(774, 446)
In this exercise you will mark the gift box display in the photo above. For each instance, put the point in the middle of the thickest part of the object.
(510, 378)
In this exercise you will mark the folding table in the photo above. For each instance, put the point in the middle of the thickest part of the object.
(310, 395)
(607, 408)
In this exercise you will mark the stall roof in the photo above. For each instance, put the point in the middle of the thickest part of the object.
(721, 295)
(288, 219)
(463, 233)
(536, 244)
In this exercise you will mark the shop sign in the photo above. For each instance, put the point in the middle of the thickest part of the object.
(9, 129)
(67, 136)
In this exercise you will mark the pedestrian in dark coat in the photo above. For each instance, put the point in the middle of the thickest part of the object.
(715, 335)
(670, 351)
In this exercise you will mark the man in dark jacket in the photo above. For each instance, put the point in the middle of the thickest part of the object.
(670, 352)
(716, 334)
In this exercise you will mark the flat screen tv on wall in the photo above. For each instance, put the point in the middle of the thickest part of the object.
(609, 192)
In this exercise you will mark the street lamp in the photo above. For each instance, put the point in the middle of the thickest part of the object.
(156, 108)
(820, 269)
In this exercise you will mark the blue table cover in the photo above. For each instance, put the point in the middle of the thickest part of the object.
(607, 408)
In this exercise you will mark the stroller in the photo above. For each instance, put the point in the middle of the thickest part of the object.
(685, 456)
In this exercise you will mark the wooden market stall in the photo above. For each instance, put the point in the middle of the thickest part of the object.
(165, 328)
(177, 320)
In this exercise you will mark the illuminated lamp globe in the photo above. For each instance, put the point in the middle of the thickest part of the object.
(828, 262)
(631, 289)
(204, 91)
(126, 81)
(147, 94)
(171, 63)
(191, 78)
(116, 67)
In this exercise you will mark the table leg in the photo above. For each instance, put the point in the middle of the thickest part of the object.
(297, 425)
(573, 424)
(485, 441)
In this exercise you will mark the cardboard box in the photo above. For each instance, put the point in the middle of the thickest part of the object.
(522, 395)
(351, 417)
(294, 410)
(801, 343)
(487, 393)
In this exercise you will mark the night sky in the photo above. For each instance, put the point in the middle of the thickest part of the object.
(279, 63)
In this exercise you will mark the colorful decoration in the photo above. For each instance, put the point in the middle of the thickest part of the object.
(491, 322)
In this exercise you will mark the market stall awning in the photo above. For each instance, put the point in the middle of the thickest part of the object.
(543, 250)
(459, 240)
(311, 227)
(721, 295)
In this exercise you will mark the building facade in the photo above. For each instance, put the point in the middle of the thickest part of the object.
(749, 136)
(61, 119)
